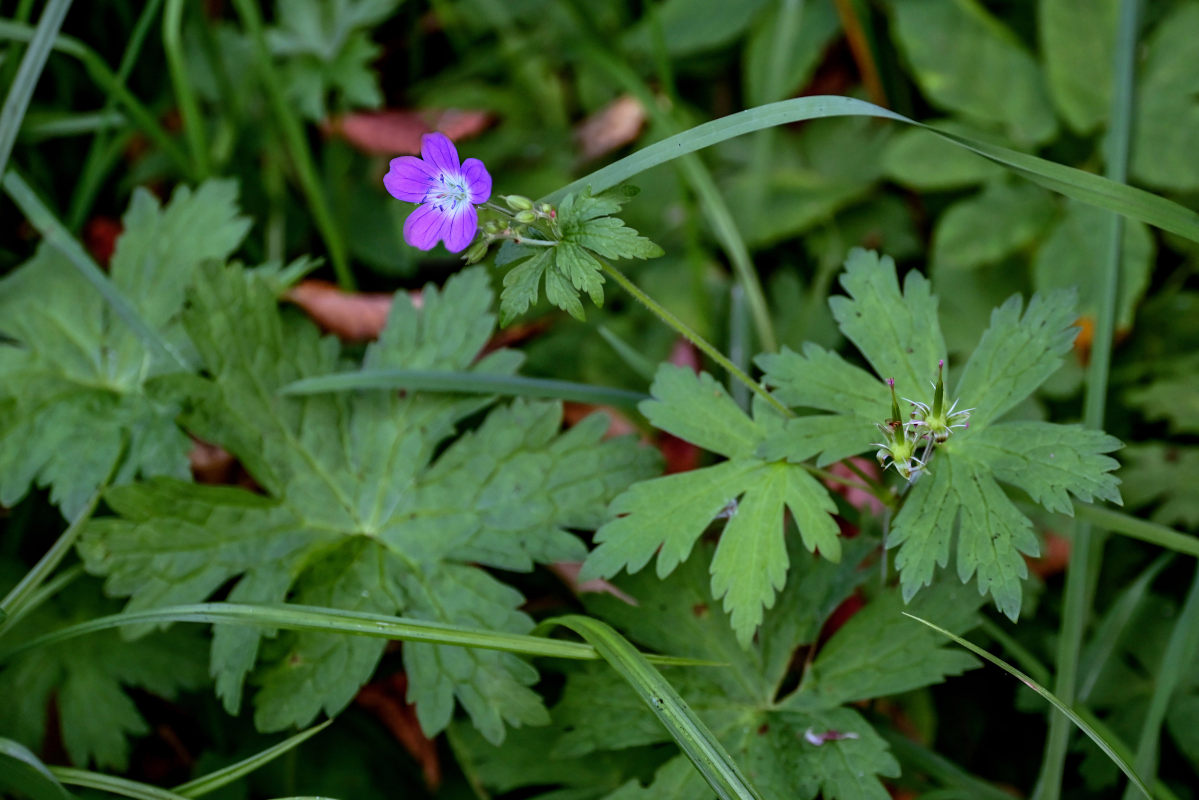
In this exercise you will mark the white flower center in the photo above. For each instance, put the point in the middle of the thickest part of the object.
(449, 192)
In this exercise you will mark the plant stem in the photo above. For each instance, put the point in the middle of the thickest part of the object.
(1087, 547)
(685, 331)
(297, 146)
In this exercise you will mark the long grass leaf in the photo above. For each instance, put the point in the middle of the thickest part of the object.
(112, 784)
(330, 620)
(694, 737)
(24, 773)
(1075, 183)
(1069, 712)
(466, 383)
(1128, 525)
(21, 92)
(215, 780)
(41, 218)
(1177, 665)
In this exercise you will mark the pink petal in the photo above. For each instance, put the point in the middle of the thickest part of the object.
(463, 224)
(424, 227)
(478, 180)
(409, 179)
(438, 150)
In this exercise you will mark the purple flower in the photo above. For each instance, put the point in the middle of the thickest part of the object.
(447, 191)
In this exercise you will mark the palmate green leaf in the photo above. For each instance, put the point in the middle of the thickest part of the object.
(1078, 47)
(1174, 398)
(879, 651)
(84, 393)
(327, 49)
(666, 516)
(959, 497)
(570, 266)
(365, 507)
(85, 681)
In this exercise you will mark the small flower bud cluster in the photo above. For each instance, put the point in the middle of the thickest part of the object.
(522, 213)
(927, 425)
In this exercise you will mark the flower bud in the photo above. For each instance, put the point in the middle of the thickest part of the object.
(493, 226)
(518, 202)
(476, 252)
(525, 217)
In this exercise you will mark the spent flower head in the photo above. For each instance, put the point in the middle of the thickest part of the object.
(447, 191)
(938, 423)
(898, 448)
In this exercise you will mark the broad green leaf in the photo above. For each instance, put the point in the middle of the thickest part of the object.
(692, 26)
(1167, 121)
(956, 49)
(805, 744)
(369, 506)
(24, 773)
(1050, 462)
(665, 516)
(1017, 353)
(897, 333)
(77, 367)
(1002, 219)
(88, 679)
(919, 159)
(993, 536)
(1075, 245)
(1183, 724)
(1078, 41)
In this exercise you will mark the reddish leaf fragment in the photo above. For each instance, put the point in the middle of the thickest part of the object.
(568, 573)
(384, 699)
(1054, 558)
(398, 131)
(100, 237)
(352, 316)
(613, 126)
(812, 737)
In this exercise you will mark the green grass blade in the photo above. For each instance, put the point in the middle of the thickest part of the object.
(112, 784)
(189, 109)
(1069, 712)
(104, 78)
(466, 383)
(215, 780)
(331, 620)
(693, 736)
(296, 143)
(1071, 182)
(1128, 525)
(631, 356)
(1177, 666)
(13, 606)
(41, 218)
(24, 773)
(12, 114)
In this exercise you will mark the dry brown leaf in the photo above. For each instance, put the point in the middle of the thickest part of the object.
(398, 132)
(384, 699)
(352, 316)
(568, 573)
(613, 126)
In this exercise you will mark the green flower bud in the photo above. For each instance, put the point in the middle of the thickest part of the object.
(518, 202)
(476, 252)
(493, 226)
(525, 217)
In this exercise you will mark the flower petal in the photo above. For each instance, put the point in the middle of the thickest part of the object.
(463, 224)
(439, 151)
(409, 179)
(478, 180)
(424, 227)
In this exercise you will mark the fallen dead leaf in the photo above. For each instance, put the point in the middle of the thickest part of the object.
(613, 126)
(352, 316)
(398, 132)
(568, 573)
(1054, 558)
